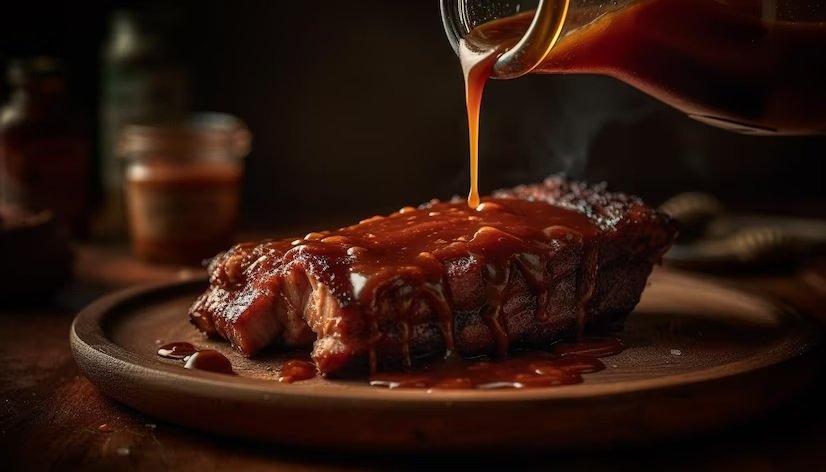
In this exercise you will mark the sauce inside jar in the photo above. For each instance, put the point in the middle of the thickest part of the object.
(182, 213)
(183, 185)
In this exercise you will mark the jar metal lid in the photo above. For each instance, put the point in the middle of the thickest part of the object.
(195, 137)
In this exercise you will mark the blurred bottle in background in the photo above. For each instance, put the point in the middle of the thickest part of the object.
(143, 80)
(44, 149)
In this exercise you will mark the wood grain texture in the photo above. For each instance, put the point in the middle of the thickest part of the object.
(50, 413)
(699, 357)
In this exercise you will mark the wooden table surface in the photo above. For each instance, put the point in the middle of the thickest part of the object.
(51, 416)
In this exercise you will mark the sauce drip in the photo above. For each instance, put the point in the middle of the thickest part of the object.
(209, 360)
(178, 350)
(734, 64)
(477, 55)
(532, 369)
(295, 370)
(194, 358)
(476, 67)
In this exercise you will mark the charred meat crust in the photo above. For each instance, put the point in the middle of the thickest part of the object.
(482, 291)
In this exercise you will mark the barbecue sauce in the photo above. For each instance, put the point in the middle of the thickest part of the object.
(477, 63)
(181, 213)
(295, 370)
(721, 62)
(194, 358)
(210, 360)
(477, 55)
(565, 365)
(404, 257)
(177, 351)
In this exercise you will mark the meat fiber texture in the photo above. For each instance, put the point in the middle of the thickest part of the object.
(278, 293)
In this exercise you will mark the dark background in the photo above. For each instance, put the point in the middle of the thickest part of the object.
(357, 108)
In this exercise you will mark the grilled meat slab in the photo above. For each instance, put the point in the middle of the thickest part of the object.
(530, 266)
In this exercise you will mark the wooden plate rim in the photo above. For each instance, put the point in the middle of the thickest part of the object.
(89, 341)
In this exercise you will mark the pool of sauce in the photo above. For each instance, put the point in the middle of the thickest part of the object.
(179, 350)
(295, 370)
(565, 364)
(357, 263)
(210, 360)
(194, 358)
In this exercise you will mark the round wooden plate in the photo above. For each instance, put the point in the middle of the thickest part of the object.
(699, 356)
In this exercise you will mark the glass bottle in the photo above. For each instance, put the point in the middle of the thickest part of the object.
(44, 151)
(752, 66)
(143, 80)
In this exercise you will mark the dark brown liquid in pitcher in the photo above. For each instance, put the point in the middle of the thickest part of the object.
(729, 63)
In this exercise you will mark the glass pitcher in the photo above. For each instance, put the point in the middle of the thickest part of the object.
(752, 66)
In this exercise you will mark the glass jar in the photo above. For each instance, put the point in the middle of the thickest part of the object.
(142, 79)
(44, 150)
(751, 66)
(183, 186)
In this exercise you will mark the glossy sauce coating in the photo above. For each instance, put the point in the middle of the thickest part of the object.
(357, 263)
(416, 240)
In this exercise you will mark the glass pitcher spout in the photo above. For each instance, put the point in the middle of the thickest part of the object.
(751, 66)
(538, 28)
